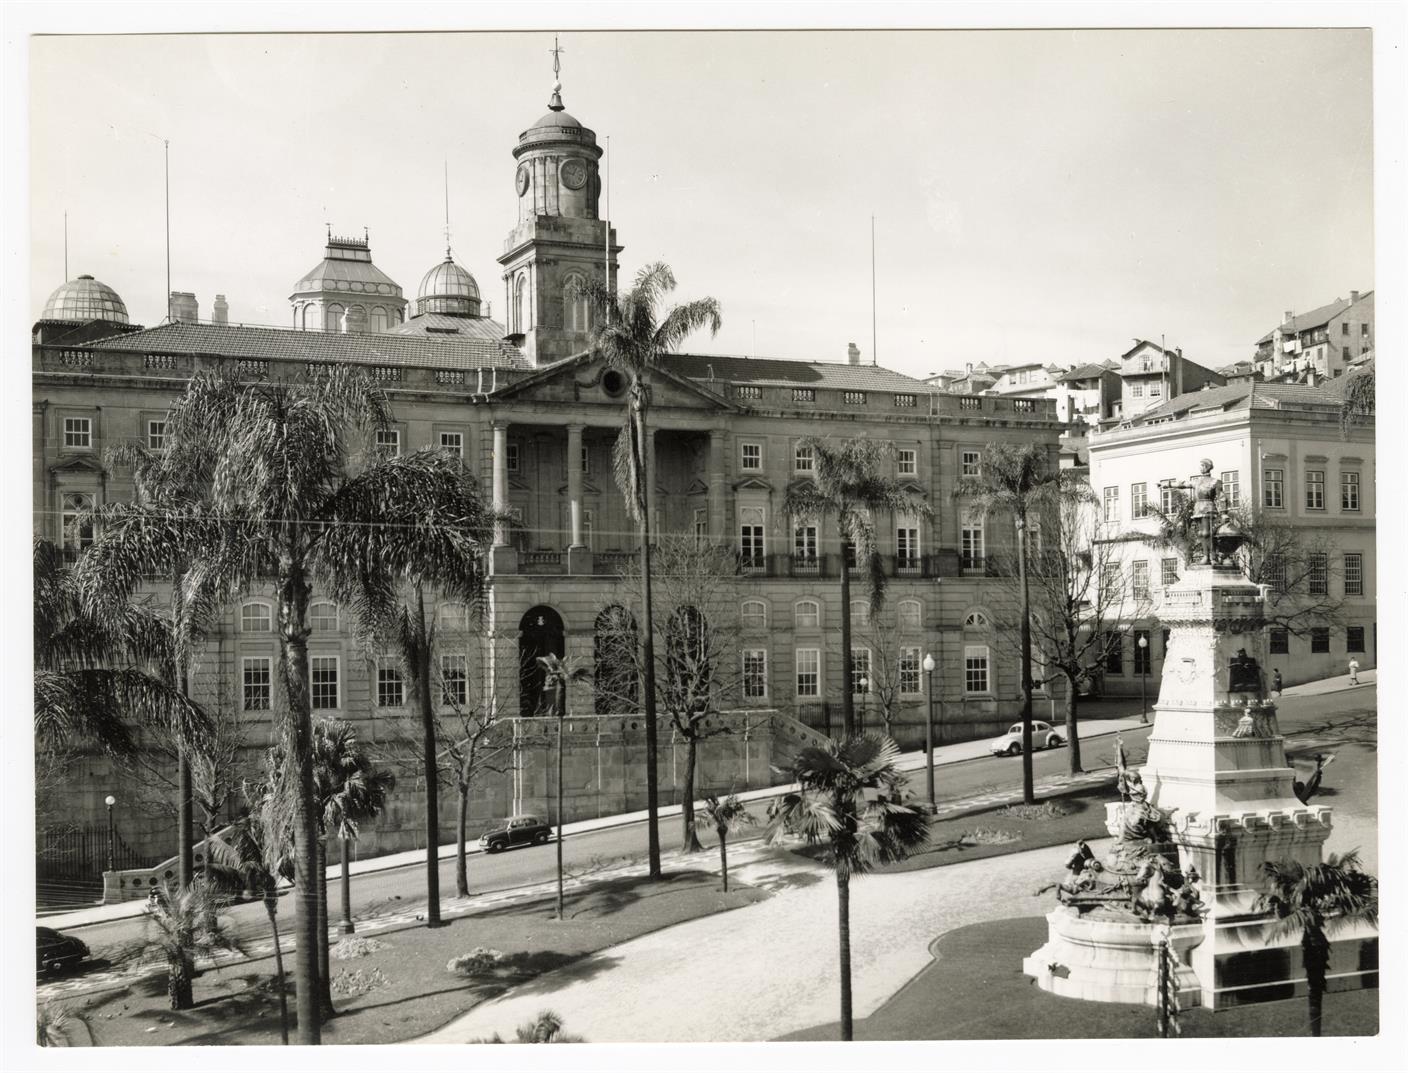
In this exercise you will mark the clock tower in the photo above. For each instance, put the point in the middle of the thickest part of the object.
(560, 241)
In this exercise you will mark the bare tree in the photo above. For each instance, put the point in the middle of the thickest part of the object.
(885, 676)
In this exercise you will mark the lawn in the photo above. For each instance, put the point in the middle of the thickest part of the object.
(403, 989)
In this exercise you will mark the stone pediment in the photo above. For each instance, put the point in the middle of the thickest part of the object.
(77, 464)
(752, 484)
(697, 488)
(589, 488)
(587, 379)
(914, 488)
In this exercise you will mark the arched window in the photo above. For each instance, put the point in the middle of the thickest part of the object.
(575, 314)
(520, 293)
(256, 617)
(322, 616)
(614, 655)
(806, 615)
(541, 632)
(77, 523)
(379, 322)
(312, 318)
(754, 615)
(356, 318)
(976, 620)
(860, 612)
(334, 318)
(452, 617)
(911, 615)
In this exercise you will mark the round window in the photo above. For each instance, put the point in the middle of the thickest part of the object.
(613, 383)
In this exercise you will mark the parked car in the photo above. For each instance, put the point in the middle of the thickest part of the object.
(1044, 736)
(516, 831)
(57, 952)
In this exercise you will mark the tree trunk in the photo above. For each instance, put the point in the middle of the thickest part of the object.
(185, 799)
(561, 718)
(179, 972)
(1315, 953)
(1072, 730)
(205, 844)
(1028, 789)
(848, 703)
(430, 769)
(293, 610)
(723, 855)
(652, 775)
(348, 926)
(843, 924)
(324, 975)
(461, 834)
(689, 837)
(271, 906)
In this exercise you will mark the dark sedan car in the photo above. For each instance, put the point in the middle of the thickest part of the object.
(57, 952)
(516, 831)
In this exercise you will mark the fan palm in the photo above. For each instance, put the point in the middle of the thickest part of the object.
(1017, 480)
(727, 816)
(851, 487)
(849, 804)
(1314, 902)
(299, 500)
(632, 334)
(545, 1028)
(182, 926)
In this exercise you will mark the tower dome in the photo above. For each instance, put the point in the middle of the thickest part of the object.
(448, 288)
(85, 299)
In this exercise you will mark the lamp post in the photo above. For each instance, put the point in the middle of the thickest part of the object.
(112, 835)
(864, 683)
(929, 666)
(1144, 678)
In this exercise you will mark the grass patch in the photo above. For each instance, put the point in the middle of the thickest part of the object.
(404, 989)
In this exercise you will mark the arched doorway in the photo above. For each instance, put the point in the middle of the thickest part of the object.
(540, 633)
(614, 653)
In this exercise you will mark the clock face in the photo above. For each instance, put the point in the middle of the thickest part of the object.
(574, 174)
(522, 179)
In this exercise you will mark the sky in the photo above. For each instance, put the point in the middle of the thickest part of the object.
(1037, 195)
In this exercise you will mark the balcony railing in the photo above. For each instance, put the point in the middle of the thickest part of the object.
(807, 565)
(540, 562)
(612, 563)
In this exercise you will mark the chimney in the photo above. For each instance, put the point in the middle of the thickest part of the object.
(1287, 317)
(221, 312)
(1310, 377)
(184, 307)
(853, 354)
(1353, 297)
(970, 368)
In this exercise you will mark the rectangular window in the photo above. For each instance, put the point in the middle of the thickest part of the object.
(1364, 330)
(971, 544)
(77, 525)
(322, 617)
(1315, 489)
(1169, 568)
(454, 680)
(751, 456)
(258, 683)
(1344, 356)
(907, 544)
(1318, 578)
(388, 441)
(804, 458)
(853, 398)
(1111, 582)
(1155, 390)
(1273, 572)
(754, 615)
(701, 528)
(1279, 643)
(78, 432)
(808, 672)
(755, 674)
(1231, 487)
(1354, 639)
(322, 682)
(1139, 579)
(1114, 652)
(1112, 503)
(860, 671)
(1344, 327)
(804, 542)
(1319, 639)
(390, 687)
(1139, 500)
(452, 441)
(907, 462)
(1136, 391)
(156, 435)
(975, 669)
(511, 458)
(1353, 573)
(909, 672)
(804, 394)
(1143, 655)
(256, 618)
(586, 459)
(1349, 490)
(1166, 500)
(906, 401)
(1273, 486)
(971, 464)
(750, 536)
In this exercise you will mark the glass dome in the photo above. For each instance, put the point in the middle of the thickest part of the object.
(83, 299)
(448, 288)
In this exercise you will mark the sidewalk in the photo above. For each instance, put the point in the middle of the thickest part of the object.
(954, 753)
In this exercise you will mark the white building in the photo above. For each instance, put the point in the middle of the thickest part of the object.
(1278, 446)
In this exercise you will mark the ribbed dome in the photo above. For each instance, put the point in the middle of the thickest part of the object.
(557, 119)
(448, 288)
(85, 299)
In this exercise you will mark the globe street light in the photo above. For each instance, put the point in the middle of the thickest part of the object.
(1144, 678)
(864, 683)
(929, 666)
(110, 801)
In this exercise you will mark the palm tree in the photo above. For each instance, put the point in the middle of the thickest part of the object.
(184, 925)
(300, 498)
(727, 816)
(1314, 902)
(545, 1028)
(1017, 480)
(631, 335)
(850, 486)
(55, 1022)
(850, 805)
(558, 673)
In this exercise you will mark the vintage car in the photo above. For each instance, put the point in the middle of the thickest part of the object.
(1010, 744)
(57, 952)
(516, 831)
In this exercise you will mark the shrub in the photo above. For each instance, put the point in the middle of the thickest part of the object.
(1045, 810)
(477, 962)
(350, 982)
(988, 836)
(355, 947)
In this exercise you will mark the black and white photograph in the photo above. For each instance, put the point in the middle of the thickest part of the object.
(846, 532)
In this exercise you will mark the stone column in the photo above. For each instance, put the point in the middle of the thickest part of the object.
(717, 525)
(578, 554)
(504, 560)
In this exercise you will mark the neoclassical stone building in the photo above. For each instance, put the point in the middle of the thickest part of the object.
(534, 415)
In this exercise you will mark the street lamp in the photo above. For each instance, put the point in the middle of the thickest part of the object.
(112, 837)
(1144, 679)
(929, 666)
(864, 683)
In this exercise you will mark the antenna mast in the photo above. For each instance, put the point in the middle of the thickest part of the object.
(606, 261)
(447, 208)
(65, 244)
(874, 355)
(166, 150)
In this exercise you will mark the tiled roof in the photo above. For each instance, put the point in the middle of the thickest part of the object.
(1247, 396)
(1304, 322)
(483, 350)
(781, 373)
(1086, 372)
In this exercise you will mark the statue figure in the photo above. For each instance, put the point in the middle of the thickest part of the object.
(1189, 899)
(1304, 791)
(1246, 726)
(1205, 488)
(1243, 674)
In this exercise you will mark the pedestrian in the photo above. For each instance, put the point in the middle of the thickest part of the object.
(1353, 671)
(1276, 681)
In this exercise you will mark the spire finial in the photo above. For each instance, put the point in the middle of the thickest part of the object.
(555, 105)
(447, 210)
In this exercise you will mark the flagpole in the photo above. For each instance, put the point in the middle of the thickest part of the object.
(874, 346)
(166, 149)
